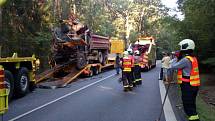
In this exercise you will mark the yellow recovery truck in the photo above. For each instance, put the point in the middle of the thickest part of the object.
(19, 74)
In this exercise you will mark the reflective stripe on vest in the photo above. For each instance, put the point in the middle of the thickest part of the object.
(2, 85)
(132, 60)
(179, 76)
(127, 64)
(194, 74)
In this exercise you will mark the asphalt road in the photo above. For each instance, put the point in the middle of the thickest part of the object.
(100, 98)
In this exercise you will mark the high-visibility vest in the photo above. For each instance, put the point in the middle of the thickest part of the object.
(127, 64)
(132, 60)
(194, 74)
(179, 76)
(137, 60)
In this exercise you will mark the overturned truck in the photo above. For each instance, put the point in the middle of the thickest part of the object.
(73, 43)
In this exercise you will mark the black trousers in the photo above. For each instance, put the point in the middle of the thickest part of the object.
(137, 72)
(189, 94)
(127, 78)
(161, 74)
(132, 75)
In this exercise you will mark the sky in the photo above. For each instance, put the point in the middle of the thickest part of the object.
(173, 5)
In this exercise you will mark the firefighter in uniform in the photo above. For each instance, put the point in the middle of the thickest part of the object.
(137, 68)
(188, 77)
(126, 71)
(130, 52)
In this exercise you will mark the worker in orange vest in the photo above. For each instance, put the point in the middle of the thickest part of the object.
(188, 77)
(127, 71)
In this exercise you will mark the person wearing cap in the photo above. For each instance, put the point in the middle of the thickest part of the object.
(188, 77)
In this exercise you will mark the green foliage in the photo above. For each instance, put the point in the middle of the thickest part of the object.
(209, 61)
(197, 25)
(200, 21)
(26, 24)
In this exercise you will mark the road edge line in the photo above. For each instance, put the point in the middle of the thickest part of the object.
(168, 111)
(62, 97)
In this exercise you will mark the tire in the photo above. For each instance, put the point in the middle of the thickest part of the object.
(22, 82)
(9, 83)
(100, 57)
(81, 61)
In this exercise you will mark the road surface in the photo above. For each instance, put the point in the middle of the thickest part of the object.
(99, 98)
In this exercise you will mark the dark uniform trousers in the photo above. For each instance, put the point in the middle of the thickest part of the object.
(137, 72)
(127, 78)
(189, 94)
(132, 76)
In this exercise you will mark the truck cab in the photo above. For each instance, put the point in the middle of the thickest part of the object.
(147, 48)
(19, 74)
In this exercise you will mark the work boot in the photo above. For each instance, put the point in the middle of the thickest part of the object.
(194, 118)
(140, 82)
(134, 84)
(126, 88)
(131, 87)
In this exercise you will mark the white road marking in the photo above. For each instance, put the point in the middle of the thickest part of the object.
(168, 111)
(42, 106)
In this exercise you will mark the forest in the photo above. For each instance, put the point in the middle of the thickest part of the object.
(25, 25)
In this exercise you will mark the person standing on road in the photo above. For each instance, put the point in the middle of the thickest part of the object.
(161, 71)
(188, 77)
(127, 71)
(117, 63)
(165, 65)
(137, 68)
(131, 55)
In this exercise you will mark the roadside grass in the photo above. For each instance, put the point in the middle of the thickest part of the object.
(206, 112)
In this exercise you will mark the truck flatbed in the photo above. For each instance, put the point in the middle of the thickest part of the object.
(47, 79)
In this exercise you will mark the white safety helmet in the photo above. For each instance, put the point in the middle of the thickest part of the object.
(125, 53)
(137, 52)
(187, 44)
(130, 51)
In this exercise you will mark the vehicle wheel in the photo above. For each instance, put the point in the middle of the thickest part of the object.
(81, 61)
(9, 83)
(95, 71)
(22, 82)
(100, 57)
